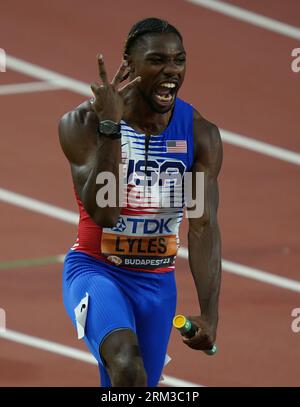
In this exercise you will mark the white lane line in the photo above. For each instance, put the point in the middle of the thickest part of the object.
(71, 217)
(174, 382)
(49, 346)
(38, 206)
(82, 88)
(74, 353)
(27, 87)
(260, 147)
(38, 72)
(250, 17)
(262, 276)
(253, 274)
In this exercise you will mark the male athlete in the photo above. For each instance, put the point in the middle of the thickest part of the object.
(118, 282)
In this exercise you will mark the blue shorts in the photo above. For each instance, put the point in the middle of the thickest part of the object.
(118, 298)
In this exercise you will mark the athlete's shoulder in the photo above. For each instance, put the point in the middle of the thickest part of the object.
(82, 116)
(77, 129)
(207, 141)
(201, 125)
(204, 129)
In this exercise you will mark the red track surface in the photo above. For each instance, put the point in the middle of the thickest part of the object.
(239, 77)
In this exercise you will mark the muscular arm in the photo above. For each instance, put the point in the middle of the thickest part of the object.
(204, 241)
(89, 155)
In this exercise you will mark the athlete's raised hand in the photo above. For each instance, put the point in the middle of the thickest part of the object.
(108, 103)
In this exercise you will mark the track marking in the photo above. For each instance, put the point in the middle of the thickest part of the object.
(253, 274)
(38, 261)
(260, 147)
(259, 275)
(36, 71)
(250, 17)
(71, 217)
(82, 88)
(27, 87)
(74, 353)
(37, 206)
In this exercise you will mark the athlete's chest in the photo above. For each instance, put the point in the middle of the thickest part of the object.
(153, 173)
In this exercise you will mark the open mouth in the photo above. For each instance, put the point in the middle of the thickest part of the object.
(164, 94)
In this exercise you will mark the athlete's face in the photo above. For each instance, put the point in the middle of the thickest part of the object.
(160, 61)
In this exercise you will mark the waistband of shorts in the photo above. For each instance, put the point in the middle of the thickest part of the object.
(74, 256)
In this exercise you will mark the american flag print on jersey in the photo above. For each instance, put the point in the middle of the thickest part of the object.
(176, 146)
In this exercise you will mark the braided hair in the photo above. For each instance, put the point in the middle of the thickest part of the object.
(150, 25)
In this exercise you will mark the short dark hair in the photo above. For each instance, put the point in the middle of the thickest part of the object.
(150, 25)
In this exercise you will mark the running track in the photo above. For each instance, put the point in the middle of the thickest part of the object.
(239, 77)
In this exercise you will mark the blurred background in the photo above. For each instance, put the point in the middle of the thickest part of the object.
(242, 76)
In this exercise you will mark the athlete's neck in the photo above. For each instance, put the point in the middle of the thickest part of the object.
(139, 115)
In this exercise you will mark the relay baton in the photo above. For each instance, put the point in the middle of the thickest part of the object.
(188, 329)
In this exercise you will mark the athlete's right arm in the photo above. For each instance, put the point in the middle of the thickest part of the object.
(90, 154)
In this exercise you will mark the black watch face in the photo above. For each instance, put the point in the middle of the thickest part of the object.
(107, 127)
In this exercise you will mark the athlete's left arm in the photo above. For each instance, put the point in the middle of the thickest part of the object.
(204, 242)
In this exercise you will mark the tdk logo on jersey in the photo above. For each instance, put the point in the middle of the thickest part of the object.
(143, 226)
(150, 226)
(120, 226)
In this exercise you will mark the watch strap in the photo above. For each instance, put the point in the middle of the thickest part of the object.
(113, 136)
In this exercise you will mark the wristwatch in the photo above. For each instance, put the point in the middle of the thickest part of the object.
(110, 128)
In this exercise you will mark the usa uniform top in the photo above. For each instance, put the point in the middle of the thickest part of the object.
(145, 237)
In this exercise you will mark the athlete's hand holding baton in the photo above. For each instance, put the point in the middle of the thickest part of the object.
(196, 333)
